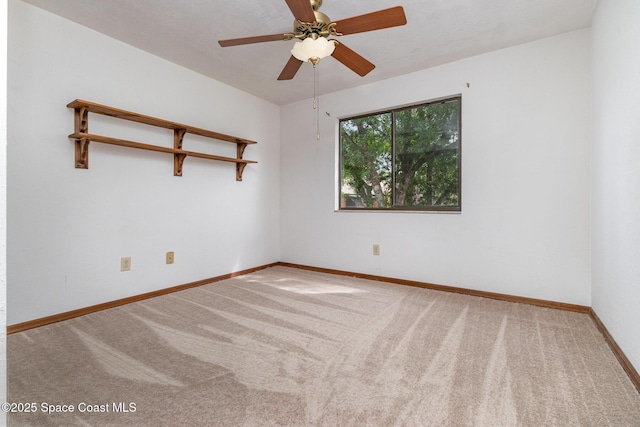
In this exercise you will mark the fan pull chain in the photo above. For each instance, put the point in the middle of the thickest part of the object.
(315, 100)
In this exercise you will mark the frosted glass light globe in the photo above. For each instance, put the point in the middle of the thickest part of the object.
(313, 50)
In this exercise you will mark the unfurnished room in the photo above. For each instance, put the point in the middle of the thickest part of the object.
(320, 213)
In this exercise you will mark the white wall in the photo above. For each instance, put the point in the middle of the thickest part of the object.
(524, 226)
(68, 228)
(616, 172)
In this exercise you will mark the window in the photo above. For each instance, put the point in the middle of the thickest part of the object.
(403, 159)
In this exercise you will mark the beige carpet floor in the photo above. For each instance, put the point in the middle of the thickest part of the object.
(288, 347)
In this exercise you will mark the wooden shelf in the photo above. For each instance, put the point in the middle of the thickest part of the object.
(82, 137)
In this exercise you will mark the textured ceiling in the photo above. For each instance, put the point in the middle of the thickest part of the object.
(438, 31)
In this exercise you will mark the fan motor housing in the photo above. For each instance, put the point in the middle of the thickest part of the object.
(322, 26)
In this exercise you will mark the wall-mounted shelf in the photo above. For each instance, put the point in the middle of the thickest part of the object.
(82, 137)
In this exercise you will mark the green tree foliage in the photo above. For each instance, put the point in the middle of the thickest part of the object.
(425, 165)
(427, 155)
(366, 159)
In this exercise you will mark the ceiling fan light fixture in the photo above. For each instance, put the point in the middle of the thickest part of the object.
(313, 49)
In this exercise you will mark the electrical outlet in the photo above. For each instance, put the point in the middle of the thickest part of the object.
(169, 257)
(376, 249)
(125, 263)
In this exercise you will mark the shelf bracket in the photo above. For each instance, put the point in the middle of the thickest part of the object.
(239, 169)
(81, 122)
(240, 149)
(178, 158)
(82, 153)
(239, 165)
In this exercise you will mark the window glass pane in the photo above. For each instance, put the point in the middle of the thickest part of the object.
(405, 159)
(426, 155)
(366, 162)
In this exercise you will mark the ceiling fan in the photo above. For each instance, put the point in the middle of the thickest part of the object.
(310, 24)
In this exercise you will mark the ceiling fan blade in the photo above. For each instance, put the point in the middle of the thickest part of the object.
(301, 10)
(385, 18)
(250, 40)
(290, 70)
(352, 60)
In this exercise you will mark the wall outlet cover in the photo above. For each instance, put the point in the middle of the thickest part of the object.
(125, 263)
